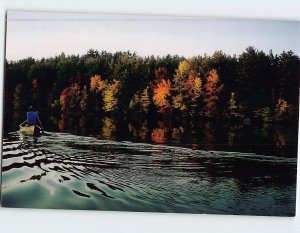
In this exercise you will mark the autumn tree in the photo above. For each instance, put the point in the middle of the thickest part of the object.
(140, 101)
(193, 88)
(187, 89)
(266, 85)
(145, 100)
(96, 83)
(180, 78)
(97, 86)
(70, 98)
(182, 74)
(282, 109)
(161, 95)
(212, 91)
(110, 97)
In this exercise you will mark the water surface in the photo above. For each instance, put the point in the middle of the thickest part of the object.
(61, 170)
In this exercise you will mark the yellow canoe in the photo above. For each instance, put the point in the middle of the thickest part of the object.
(33, 130)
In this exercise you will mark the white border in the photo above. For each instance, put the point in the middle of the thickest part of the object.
(46, 221)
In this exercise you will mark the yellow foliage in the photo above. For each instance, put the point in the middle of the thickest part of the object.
(197, 86)
(181, 75)
(183, 68)
(110, 96)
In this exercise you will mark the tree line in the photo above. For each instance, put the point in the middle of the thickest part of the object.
(254, 85)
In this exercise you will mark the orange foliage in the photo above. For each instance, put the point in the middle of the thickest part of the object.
(96, 83)
(212, 89)
(193, 85)
(161, 92)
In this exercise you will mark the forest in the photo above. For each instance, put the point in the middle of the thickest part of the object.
(253, 86)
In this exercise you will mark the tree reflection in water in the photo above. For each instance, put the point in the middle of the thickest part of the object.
(208, 130)
(82, 125)
(160, 134)
(261, 139)
(61, 123)
(144, 131)
(108, 129)
(177, 134)
(279, 138)
(232, 134)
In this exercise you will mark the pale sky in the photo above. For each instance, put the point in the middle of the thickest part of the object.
(37, 35)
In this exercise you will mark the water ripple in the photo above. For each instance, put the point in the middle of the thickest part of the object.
(79, 172)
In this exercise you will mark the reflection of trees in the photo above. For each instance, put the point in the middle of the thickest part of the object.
(159, 135)
(280, 138)
(209, 133)
(54, 120)
(265, 130)
(17, 118)
(19, 104)
(144, 131)
(132, 130)
(140, 131)
(61, 123)
(82, 124)
(232, 134)
(177, 133)
(67, 124)
(108, 128)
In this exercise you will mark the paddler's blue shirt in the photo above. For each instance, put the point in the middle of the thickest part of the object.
(32, 118)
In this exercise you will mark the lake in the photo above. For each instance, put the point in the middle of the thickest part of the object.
(106, 164)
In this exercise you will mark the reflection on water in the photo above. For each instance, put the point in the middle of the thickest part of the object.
(61, 170)
(159, 135)
(108, 129)
(152, 166)
(262, 139)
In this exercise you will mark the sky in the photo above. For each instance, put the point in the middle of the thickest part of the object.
(42, 34)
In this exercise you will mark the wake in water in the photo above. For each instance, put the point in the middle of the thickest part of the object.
(76, 172)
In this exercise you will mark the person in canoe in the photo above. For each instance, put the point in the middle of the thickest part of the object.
(32, 124)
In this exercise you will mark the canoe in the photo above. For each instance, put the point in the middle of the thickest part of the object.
(32, 130)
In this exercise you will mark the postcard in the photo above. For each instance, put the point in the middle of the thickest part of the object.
(150, 113)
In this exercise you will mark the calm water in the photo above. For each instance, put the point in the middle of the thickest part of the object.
(153, 168)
